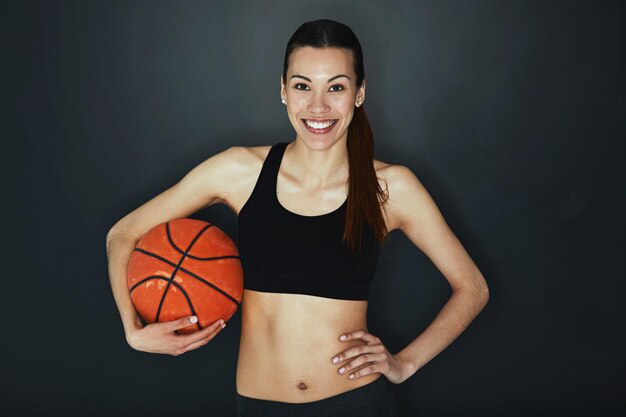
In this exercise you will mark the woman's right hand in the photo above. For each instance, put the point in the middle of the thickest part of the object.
(162, 338)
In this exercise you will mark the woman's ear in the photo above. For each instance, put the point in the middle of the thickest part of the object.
(283, 96)
(360, 95)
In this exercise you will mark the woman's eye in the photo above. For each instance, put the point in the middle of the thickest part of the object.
(296, 86)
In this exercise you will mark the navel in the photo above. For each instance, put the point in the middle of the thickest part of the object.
(302, 386)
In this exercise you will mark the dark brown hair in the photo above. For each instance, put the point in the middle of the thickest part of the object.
(365, 196)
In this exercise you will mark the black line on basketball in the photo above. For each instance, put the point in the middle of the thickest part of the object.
(179, 250)
(183, 269)
(182, 258)
(193, 311)
(144, 322)
(209, 258)
(169, 237)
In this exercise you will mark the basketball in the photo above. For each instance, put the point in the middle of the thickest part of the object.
(185, 267)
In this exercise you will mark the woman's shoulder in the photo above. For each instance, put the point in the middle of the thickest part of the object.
(247, 161)
(248, 155)
(233, 171)
(397, 178)
(239, 158)
(389, 174)
(401, 187)
(232, 164)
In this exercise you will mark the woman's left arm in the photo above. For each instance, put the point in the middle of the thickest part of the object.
(411, 209)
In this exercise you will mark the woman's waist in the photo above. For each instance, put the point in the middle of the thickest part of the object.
(292, 348)
(290, 340)
(294, 364)
(299, 330)
(297, 376)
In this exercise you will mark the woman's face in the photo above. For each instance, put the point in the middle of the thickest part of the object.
(321, 88)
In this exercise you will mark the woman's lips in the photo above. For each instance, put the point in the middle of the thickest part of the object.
(320, 131)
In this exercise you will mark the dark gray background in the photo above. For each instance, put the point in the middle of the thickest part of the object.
(510, 113)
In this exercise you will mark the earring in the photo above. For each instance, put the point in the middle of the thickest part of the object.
(284, 102)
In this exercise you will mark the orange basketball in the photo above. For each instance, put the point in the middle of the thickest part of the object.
(185, 267)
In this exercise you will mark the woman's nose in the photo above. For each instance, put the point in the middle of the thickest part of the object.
(318, 104)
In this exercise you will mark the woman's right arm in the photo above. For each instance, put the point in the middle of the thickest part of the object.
(207, 184)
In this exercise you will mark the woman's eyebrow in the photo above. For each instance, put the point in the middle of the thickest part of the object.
(309, 80)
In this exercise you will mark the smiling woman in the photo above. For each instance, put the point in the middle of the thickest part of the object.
(312, 218)
(319, 125)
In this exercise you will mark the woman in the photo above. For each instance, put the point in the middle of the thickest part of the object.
(312, 216)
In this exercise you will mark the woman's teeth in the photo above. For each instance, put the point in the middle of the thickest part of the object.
(319, 125)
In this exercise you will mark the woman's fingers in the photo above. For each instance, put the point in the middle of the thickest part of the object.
(162, 337)
(361, 360)
(182, 323)
(202, 337)
(187, 339)
(358, 350)
(360, 334)
(170, 326)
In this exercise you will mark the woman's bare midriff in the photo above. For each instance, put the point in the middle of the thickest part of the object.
(288, 342)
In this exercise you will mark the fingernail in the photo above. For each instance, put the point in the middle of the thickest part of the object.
(193, 319)
(221, 322)
(341, 370)
(351, 376)
(223, 325)
(335, 359)
(342, 337)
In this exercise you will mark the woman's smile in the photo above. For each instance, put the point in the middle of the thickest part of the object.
(319, 127)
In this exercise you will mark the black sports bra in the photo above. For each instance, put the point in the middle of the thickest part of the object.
(285, 252)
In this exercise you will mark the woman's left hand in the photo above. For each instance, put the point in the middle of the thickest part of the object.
(391, 366)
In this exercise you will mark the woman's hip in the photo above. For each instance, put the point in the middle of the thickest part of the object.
(374, 399)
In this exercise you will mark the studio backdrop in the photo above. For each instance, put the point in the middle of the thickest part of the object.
(509, 112)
